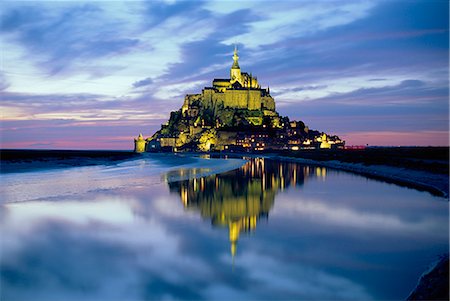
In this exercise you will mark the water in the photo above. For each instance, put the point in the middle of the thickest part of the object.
(264, 231)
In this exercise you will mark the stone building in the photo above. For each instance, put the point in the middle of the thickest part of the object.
(240, 91)
(234, 114)
(140, 144)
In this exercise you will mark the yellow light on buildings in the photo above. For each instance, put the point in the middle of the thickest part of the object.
(140, 144)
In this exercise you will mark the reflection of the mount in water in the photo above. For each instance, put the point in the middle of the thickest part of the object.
(239, 198)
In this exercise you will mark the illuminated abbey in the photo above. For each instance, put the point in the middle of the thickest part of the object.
(233, 114)
(240, 91)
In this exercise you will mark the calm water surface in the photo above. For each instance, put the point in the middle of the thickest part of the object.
(151, 229)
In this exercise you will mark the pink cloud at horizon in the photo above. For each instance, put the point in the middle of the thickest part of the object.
(397, 138)
(75, 143)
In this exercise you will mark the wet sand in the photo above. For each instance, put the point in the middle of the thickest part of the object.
(424, 169)
(13, 161)
(187, 166)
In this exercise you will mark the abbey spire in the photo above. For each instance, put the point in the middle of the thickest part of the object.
(235, 59)
(235, 71)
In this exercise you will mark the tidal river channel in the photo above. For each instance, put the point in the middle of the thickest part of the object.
(157, 228)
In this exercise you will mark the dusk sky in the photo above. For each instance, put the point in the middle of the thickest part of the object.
(94, 75)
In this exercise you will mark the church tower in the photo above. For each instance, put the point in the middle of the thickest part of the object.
(235, 71)
(140, 144)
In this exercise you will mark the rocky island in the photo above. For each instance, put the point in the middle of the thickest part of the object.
(234, 114)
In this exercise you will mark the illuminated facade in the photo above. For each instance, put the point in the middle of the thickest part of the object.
(240, 91)
(235, 114)
(140, 144)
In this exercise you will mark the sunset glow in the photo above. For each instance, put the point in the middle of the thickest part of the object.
(93, 75)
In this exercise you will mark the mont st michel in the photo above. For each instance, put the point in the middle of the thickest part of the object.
(234, 114)
(289, 150)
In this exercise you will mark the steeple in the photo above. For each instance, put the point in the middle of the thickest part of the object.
(235, 59)
(235, 71)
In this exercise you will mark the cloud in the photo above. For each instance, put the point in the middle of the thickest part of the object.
(76, 134)
(362, 91)
(66, 43)
(158, 12)
(3, 82)
(397, 138)
(286, 19)
(177, 90)
(60, 100)
(320, 60)
(142, 83)
(63, 35)
(40, 145)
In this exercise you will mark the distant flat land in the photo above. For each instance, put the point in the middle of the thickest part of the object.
(430, 159)
(29, 160)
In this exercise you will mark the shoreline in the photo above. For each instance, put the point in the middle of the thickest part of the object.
(434, 183)
(17, 161)
(420, 176)
(433, 283)
(421, 180)
(202, 167)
